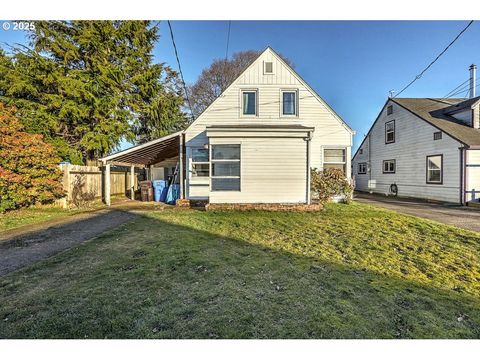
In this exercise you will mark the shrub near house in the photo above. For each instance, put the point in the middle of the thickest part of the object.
(28, 166)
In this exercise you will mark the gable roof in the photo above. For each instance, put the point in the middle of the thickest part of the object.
(298, 77)
(436, 112)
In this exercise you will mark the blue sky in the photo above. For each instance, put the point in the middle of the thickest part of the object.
(351, 64)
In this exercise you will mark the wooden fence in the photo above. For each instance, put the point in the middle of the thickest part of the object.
(83, 183)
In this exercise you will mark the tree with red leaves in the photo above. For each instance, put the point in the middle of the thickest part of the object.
(29, 172)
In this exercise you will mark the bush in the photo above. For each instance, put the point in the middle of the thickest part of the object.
(29, 172)
(329, 183)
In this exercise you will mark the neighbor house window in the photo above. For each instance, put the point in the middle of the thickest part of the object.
(200, 163)
(437, 135)
(435, 169)
(289, 103)
(334, 159)
(390, 132)
(362, 168)
(225, 167)
(268, 67)
(249, 100)
(389, 109)
(388, 166)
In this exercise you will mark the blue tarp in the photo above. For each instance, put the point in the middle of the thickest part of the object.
(160, 190)
(173, 194)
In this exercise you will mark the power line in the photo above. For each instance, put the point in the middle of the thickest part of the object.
(438, 57)
(452, 91)
(228, 39)
(180, 69)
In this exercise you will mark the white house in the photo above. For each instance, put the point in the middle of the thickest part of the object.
(255, 143)
(422, 148)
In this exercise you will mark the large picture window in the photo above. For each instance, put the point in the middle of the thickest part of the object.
(390, 132)
(225, 167)
(435, 169)
(249, 102)
(200, 163)
(334, 159)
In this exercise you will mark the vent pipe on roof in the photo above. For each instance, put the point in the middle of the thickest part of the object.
(473, 79)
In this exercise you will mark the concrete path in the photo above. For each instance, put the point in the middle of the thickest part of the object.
(460, 216)
(25, 248)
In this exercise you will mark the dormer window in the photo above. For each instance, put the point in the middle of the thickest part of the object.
(390, 132)
(289, 103)
(268, 67)
(249, 102)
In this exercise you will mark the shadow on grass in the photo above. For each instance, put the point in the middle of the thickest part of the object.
(153, 278)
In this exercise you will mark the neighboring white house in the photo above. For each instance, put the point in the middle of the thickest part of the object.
(423, 148)
(256, 143)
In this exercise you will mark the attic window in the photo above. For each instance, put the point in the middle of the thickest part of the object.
(389, 109)
(437, 135)
(268, 67)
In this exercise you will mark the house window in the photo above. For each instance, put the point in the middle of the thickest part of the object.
(225, 167)
(435, 169)
(362, 168)
(289, 101)
(361, 151)
(268, 67)
(249, 100)
(437, 135)
(389, 166)
(389, 109)
(200, 163)
(390, 132)
(334, 159)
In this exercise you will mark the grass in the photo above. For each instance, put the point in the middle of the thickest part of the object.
(349, 272)
(33, 215)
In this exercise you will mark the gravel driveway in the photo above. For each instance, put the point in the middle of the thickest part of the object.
(460, 216)
(29, 247)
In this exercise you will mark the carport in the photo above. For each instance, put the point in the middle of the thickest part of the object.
(145, 156)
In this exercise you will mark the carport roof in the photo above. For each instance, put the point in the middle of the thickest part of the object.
(148, 153)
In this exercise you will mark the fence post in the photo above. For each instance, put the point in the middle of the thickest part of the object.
(107, 184)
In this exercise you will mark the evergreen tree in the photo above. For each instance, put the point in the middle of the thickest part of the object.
(86, 85)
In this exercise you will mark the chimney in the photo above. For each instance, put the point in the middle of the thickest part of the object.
(473, 79)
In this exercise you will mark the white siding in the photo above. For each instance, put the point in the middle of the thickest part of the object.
(413, 142)
(272, 170)
(472, 175)
(226, 110)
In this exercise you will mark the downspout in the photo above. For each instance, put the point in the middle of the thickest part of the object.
(308, 139)
(462, 175)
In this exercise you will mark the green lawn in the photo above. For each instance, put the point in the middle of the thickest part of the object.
(352, 271)
(33, 215)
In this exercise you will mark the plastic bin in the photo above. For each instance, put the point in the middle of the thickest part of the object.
(160, 190)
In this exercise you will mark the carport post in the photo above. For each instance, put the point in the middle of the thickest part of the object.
(132, 182)
(182, 195)
(107, 184)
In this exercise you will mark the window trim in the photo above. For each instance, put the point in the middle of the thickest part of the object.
(437, 133)
(441, 170)
(265, 68)
(394, 137)
(389, 109)
(362, 172)
(282, 91)
(394, 166)
(192, 162)
(248, 90)
(212, 161)
(344, 163)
